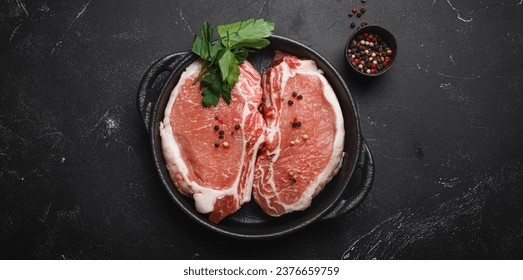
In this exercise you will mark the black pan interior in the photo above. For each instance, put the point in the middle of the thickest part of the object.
(250, 221)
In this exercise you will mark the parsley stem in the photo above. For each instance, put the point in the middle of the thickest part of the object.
(205, 68)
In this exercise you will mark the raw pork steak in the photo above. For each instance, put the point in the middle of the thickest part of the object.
(218, 178)
(304, 136)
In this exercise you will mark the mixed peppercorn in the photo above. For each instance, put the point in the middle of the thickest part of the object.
(358, 13)
(295, 124)
(368, 53)
(221, 133)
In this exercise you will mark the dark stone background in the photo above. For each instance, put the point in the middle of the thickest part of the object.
(445, 126)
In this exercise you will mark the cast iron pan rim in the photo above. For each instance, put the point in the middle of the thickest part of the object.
(197, 216)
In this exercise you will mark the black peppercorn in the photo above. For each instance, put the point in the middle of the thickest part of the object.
(216, 145)
(216, 127)
(290, 102)
(300, 97)
(221, 132)
(237, 126)
(352, 25)
(294, 94)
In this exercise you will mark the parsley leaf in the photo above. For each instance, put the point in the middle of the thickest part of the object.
(209, 98)
(250, 33)
(212, 84)
(229, 67)
(241, 55)
(221, 58)
(202, 44)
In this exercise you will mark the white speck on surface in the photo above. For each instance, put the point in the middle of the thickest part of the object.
(56, 46)
(459, 15)
(112, 125)
(261, 9)
(450, 183)
(419, 68)
(14, 32)
(98, 122)
(22, 6)
(445, 85)
(82, 11)
(180, 12)
(44, 8)
(346, 255)
(46, 212)
(62, 160)
(70, 25)
(458, 77)
(452, 59)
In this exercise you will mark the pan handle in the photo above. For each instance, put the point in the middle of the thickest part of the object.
(146, 99)
(349, 203)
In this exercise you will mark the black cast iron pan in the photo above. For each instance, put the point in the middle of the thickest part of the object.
(338, 198)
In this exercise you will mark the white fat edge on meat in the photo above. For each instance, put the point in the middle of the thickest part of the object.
(246, 112)
(204, 197)
(251, 169)
(247, 191)
(274, 132)
(309, 67)
(260, 140)
(170, 148)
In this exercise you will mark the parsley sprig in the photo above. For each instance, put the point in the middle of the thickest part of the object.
(221, 58)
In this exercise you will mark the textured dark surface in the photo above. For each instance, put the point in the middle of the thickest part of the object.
(445, 126)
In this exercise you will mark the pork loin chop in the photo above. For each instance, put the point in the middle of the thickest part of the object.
(210, 153)
(304, 136)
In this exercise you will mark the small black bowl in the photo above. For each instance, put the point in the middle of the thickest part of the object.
(385, 35)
